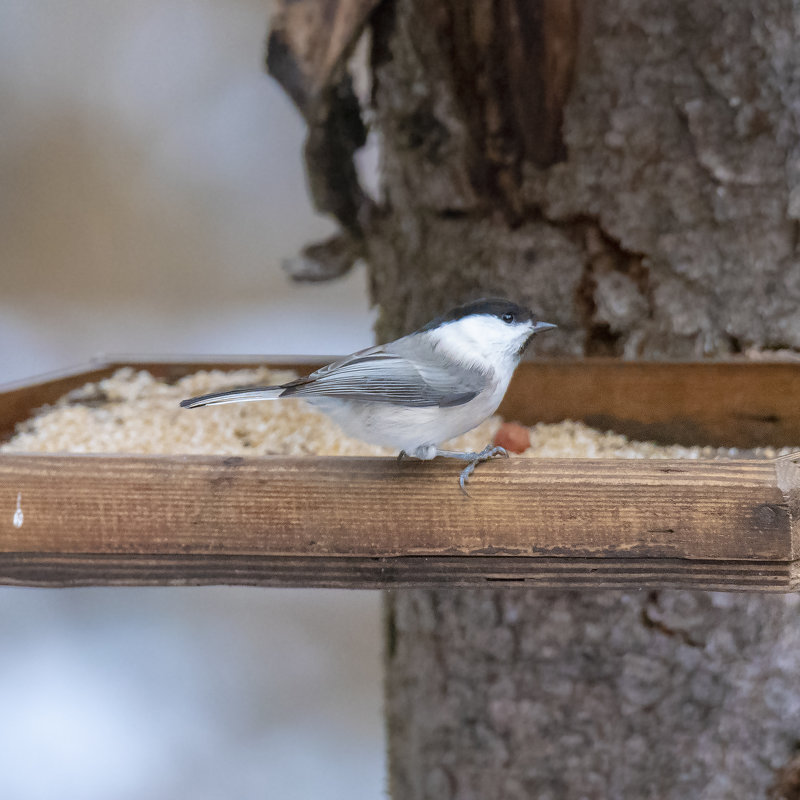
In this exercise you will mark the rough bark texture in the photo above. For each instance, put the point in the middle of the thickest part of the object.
(631, 169)
(663, 224)
(552, 695)
(670, 226)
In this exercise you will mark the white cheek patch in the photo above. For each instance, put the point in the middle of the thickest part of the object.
(482, 339)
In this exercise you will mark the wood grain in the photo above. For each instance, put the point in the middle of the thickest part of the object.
(373, 522)
(58, 570)
(727, 403)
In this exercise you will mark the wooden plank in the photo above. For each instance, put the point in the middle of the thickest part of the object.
(728, 404)
(58, 570)
(373, 522)
(731, 404)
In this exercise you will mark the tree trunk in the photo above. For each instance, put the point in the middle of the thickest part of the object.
(550, 695)
(656, 215)
(661, 218)
(631, 170)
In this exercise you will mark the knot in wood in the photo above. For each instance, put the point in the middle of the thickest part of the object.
(769, 515)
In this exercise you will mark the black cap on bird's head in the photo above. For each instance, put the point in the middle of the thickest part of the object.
(504, 310)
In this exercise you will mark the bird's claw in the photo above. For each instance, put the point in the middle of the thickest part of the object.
(491, 451)
(485, 454)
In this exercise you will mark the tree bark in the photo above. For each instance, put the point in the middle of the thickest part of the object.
(525, 694)
(656, 217)
(631, 170)
(664, 220)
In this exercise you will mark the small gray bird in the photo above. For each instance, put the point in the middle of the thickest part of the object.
(420, 390)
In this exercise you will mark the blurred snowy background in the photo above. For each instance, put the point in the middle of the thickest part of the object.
(150, 184)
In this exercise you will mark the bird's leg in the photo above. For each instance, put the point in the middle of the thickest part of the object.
(474, 459)
(401, 455)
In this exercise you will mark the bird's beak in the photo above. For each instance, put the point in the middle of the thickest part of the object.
(541, 327)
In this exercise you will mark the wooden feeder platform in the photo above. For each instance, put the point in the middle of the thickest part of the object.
(376, 523)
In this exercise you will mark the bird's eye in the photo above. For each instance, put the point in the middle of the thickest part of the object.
(508, 317)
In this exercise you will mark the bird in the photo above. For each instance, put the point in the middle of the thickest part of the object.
(418, 391)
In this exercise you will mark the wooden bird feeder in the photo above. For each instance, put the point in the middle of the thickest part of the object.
(69, 520)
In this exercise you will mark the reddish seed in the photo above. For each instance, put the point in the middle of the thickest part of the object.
(514, 437)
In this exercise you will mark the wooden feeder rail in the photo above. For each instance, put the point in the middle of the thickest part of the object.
(376, 523)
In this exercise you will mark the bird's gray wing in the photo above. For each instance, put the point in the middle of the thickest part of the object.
(379, 376)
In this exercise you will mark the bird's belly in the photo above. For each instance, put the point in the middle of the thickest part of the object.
(406, 428)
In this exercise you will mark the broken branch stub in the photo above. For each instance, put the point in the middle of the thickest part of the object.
(308, 47)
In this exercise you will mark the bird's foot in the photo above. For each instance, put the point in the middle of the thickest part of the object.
(485, 455)
(474, 459)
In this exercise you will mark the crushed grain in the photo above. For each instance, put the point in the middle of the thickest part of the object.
(133, 412)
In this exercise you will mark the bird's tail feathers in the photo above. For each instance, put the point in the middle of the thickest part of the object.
(234, 396)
